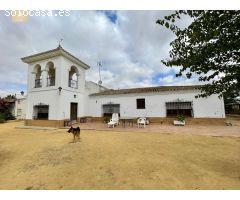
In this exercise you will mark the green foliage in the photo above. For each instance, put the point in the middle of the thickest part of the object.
(181, 118)
(6, 116)
(5, 113)
(209, 47)
(2, 118)
(228, 99)
(106, 119)
(10, 97)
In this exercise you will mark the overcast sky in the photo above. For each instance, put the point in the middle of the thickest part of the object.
(129, 44)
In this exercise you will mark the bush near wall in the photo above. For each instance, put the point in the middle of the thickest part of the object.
(6, 116)
(1, 118)
(5, 113)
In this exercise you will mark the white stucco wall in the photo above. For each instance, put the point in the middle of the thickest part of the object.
(92, 87)
(59, 102)
(211, 107)
(20, 104)
(67, 97)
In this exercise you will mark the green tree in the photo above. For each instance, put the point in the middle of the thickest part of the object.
(10, 96)
(5, 113)
(209, 48)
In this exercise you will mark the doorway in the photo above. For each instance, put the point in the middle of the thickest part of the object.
(73, 111)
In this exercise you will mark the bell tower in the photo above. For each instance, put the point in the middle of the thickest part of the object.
(56, 87)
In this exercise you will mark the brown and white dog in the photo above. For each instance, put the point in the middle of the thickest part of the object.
(75, 132)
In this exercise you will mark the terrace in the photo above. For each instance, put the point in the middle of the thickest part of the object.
(194, 127)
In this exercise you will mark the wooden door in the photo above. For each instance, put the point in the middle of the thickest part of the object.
(73, 111)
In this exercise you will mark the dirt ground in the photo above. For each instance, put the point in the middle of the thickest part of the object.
(47, 159)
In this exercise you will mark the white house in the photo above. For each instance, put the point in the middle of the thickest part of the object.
(57, 91)
(20, 107)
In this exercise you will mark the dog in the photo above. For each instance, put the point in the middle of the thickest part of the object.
(75, 132)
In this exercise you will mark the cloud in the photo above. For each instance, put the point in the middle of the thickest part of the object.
(172, 80)
(129, 43)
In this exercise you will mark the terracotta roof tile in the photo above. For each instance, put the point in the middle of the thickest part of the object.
(146, 90)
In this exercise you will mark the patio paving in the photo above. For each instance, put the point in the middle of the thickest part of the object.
(210, 130)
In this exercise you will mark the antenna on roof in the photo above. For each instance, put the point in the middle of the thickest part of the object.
(99, 70)
(59, 42)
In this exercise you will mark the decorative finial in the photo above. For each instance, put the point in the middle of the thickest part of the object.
(59, 43)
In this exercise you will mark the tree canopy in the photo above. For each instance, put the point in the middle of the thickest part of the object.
(10, 96)
(209, 48)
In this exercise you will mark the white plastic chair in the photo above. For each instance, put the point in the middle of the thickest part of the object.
(114, 121)
(141, 122)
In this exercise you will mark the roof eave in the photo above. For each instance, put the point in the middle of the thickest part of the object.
(74, 59)
(54, 53)
(38, 57)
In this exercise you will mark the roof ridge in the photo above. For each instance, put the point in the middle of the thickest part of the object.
(145, 90)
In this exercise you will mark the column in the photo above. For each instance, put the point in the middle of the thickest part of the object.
(44, 77)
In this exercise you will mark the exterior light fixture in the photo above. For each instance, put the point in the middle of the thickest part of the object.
(59, 89)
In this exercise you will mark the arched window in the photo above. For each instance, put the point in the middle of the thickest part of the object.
(73, 77)
(51, 74)
(38, 76)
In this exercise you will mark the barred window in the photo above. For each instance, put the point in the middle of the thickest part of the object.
(19, 112)
(179, 108)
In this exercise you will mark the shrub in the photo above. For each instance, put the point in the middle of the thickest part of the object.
(9, 116)
(106, 119)
(6, 116)
(2, 118)
(181, 118)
